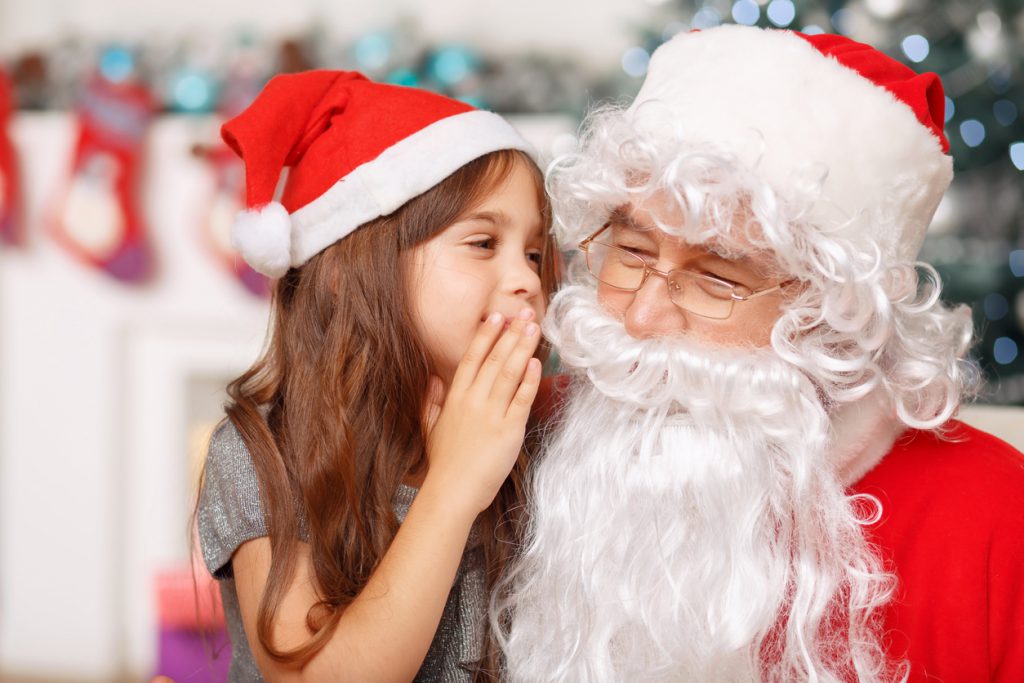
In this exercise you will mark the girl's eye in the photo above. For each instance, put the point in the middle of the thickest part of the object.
(488, 243)
(534, 257)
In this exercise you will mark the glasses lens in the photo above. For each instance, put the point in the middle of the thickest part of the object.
(616, 267)
(702, 295)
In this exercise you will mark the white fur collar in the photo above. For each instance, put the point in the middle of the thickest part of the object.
(863, 433)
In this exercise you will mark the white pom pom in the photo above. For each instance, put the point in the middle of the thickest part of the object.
(264, 238)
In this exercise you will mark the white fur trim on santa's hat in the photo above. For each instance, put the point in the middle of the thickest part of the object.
(264, 238)
(408, 168)
(780, 106)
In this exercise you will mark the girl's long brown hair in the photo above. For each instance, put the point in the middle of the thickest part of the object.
(331, 411)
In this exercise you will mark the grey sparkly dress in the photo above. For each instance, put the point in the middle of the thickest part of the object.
(230, 514)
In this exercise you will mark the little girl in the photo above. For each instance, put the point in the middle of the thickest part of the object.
(357, 504)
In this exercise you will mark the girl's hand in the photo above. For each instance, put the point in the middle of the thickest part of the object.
(476, 436)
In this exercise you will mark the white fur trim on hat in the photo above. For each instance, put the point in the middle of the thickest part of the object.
(783, 108)
(408, 168)
(264, 238)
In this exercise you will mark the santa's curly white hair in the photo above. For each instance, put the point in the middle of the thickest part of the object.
(862, 320)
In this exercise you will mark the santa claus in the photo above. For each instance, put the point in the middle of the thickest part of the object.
(755, 474)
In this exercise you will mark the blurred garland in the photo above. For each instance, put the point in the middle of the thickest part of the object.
(208, 75)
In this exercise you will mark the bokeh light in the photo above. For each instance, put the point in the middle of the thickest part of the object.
(973, 132)
(915, 47)
(635, 60)
(117, 64)
(1005, 112)
(1017, 155)
(372, 51)
(950, 109)
(1017, 262)
(451, 65)
(884, 9)
(746, 12)
(812, 30)
(193, 92)
(1004, 350)
(781, 12)
(406, 77)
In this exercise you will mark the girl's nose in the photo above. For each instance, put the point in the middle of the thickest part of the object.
(524, 281)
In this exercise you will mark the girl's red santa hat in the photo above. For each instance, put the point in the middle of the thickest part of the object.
(356, 150)
(795, 107)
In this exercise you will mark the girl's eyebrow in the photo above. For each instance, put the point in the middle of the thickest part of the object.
(495, 217)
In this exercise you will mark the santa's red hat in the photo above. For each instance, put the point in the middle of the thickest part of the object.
(356, 150)
(785, 103)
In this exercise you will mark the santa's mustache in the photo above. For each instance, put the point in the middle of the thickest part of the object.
(670, 373)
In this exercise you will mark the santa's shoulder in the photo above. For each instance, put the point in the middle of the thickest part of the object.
(957, 472)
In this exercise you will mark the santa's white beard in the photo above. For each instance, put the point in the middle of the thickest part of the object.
(685, 523)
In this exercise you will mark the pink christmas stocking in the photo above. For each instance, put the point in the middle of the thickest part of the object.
(99, 220)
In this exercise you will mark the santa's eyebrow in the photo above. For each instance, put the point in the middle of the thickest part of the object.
(622, 216)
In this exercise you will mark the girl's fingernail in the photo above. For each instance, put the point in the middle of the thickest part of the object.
(526, 314)
(495, 319)
(531, 329)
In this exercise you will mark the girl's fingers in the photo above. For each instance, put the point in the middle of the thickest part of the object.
(495, 361)
(478, 350)
(507, 381)
(519, 407)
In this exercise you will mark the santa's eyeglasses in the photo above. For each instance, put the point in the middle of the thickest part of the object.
(697, 293)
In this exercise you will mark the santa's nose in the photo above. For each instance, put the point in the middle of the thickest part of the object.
(651, 312)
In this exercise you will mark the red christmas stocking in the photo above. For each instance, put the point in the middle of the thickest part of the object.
(227, 199)
(11, 227)
(99, 221)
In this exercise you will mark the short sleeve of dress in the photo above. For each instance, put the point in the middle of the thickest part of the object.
(229, 511)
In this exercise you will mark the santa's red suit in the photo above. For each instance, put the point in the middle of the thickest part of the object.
(952, 531)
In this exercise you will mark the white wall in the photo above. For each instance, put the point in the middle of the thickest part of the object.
(596, 30)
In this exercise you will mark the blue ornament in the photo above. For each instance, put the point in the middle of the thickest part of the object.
(406, 77)
(451, 65)
(117, 64)
(373, 51)
(192, 91)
